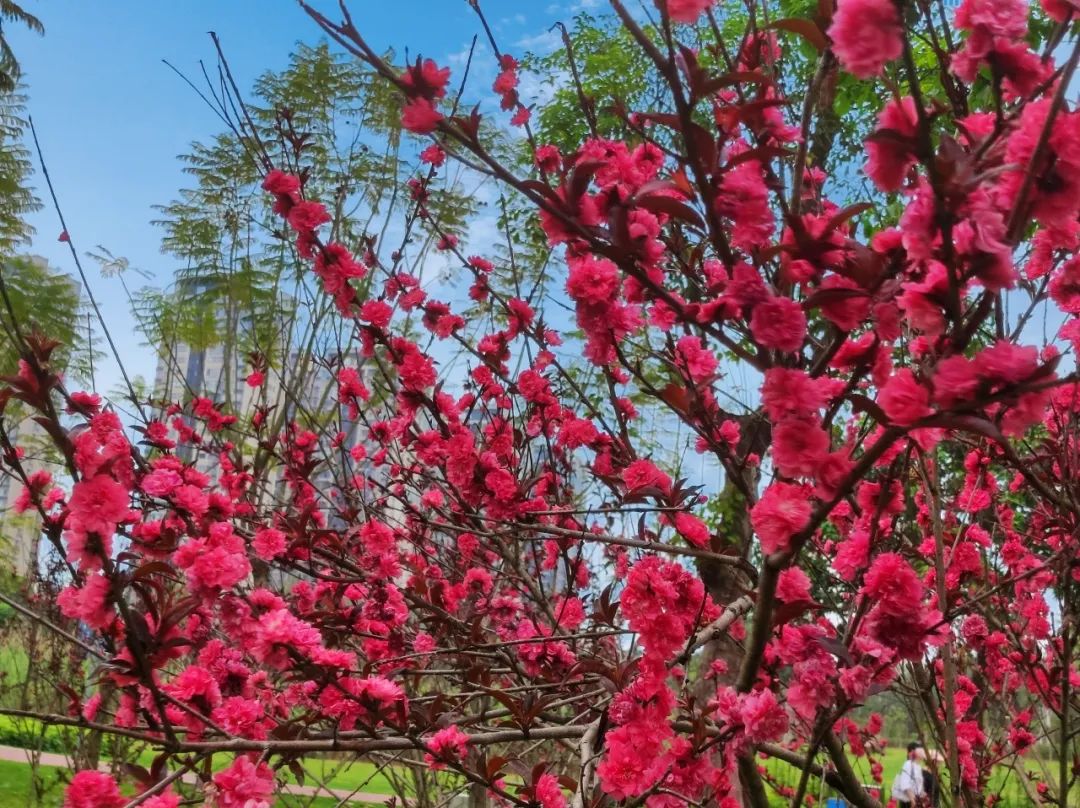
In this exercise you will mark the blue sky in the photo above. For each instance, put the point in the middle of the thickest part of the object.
(112, 117)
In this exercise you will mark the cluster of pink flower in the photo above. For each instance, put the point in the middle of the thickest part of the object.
(456, 530)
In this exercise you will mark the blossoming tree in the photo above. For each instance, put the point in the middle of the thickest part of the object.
(507, 581)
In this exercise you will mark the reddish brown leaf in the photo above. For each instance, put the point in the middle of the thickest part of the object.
(717, 83)
(807, 29)
(541, 188)
(676, 397)
(681, 182)
(673, 208)
(861, 403)
(826, 296)
(847, 213)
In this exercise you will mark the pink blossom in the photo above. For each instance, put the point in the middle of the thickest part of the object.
(762, 716)
(892, 584)
(792, 392)
(242, 717)
(637, 749)
(644, 474)
(1006, 18)
(352, 390)
(633, 762)
(215, 561)
(376, 312)
(93, 789)
(782, 511)
(799, 447)
(433, 155)
(1064, 286)
(955, 381)
(507, 81)
(692, 529)
(662, 602)
(447, 745)
(82, 401)
(592, 280)
(195, 683)
(866, 35)
(165, 799)
(548, 792)
(98, 505)
(849, 308)
(281, 184)
(835, 468)
(757, 717)
(89, 602)
(852, 555)
(1055, 199)
(687, 10)
(891, 150)
(744, 198)
(416, 369)
(695, 359)
(244, 785)
(420, 117)
(1006, 363)
(279, 634)
(161, 482)
(793, 586)
(31, 494)
(306, 216)
(427, 79)
(268, 543)
(779, 323)
(904, 399)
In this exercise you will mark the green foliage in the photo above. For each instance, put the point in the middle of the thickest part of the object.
(611, 69)
(32, 735)
(16, 197)
(240, 283)
(11, 12)
(39, 298)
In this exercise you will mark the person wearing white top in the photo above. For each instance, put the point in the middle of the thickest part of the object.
(907, 787)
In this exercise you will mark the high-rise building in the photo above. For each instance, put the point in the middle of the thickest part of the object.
(20, 534)
(302, 389)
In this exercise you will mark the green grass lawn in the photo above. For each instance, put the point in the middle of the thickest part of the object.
(16, 791)
(348, 776)
(343, 775)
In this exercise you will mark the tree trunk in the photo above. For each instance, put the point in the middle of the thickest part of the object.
(726, 582)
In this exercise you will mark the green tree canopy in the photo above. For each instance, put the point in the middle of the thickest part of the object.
(9, 65)
(37, 297)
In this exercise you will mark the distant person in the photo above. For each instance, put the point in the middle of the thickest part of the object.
(908, 786)
(931, 785)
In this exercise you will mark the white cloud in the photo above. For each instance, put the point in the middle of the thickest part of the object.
(540, 90)
(542, 43)
(461, 57)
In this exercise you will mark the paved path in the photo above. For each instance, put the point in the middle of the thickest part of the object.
(14, 754)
